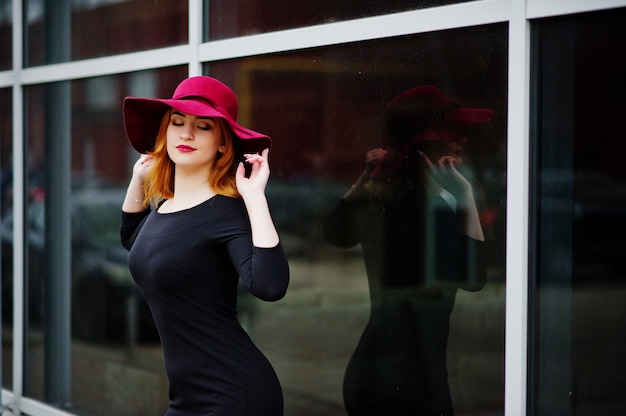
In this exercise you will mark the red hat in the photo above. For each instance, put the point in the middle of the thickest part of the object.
(199, 96)
(425, 113)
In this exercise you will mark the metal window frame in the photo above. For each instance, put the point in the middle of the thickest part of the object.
(517, 13)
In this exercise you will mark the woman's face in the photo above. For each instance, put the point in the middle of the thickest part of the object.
(194, 142)
(436, 149)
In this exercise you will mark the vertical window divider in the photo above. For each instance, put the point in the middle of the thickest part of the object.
(18, 208)
(195, 19)
(517, 234)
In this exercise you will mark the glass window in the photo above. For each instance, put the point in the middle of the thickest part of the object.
(6, 34)
(349, 335)
(228, 19)
(100, 356)
(66, 30)
(6, 252)
(577, 361)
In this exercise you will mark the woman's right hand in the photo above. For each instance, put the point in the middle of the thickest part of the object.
(141, 168)
(373, 157)
(444, 172)
(134, 201)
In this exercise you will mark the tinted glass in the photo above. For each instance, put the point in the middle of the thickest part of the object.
(579, 184)
(102, 355)
(64, 30)
(228, 19)
(6, 34)
(6, 247)
(325, 109)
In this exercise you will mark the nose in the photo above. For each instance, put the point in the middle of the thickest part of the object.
(186, 134)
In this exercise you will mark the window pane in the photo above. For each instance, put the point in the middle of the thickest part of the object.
(324, 109)
(230, 19)
(6, 249)
(577, 350)
(64, 30)
(115, 365)
(6, 34)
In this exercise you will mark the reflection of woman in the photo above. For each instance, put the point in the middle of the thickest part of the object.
(210, 226)
(416, 218)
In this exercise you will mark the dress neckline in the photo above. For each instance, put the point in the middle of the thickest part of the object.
(183, 210)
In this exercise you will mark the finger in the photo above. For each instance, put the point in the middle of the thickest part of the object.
(444, 161)
(253, 158)
(240, 172)
(452, 162)
(427, 161)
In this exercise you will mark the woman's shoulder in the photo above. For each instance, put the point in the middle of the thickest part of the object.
(225, 206)
(226, 201)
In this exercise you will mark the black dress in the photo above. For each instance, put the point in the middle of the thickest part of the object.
(187, 265)
(415, 261)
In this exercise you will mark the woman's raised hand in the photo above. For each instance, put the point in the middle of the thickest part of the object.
(259, 174)
(141, 167)
(134, 200)
(444, 172)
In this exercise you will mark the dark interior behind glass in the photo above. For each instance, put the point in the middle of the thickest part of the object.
(578, 284)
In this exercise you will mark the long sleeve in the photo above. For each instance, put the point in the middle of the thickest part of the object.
(270, 276)
(130, 226)
(342, 226)
(265, 271)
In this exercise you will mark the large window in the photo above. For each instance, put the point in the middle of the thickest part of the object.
(384, 309)
(65, 30)
(577, 344)
(325, 109)
(91, 345)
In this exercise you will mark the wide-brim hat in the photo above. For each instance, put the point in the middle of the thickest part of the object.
(425, 113)
(199, 96)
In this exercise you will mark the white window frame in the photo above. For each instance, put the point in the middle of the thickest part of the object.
(517, 13)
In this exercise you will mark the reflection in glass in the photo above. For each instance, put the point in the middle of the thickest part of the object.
(324, 110)
(90, 29)
(577, 361)
(6, 34)
(414, 212)
(6, 252)
(228, 19)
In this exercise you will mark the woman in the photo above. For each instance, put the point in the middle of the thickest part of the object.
(195, 223)
(415, 216)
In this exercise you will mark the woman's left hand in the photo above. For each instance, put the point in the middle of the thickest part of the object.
(252, 190)
(259, 174)
(444, 172)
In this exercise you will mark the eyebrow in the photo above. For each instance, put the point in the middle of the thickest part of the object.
(178, 113)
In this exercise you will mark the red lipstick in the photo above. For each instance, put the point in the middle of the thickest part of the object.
(184, 148)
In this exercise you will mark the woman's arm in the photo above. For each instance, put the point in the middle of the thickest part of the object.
(134, 210)
(131, 223)
(252, 191)
(135, 197)
(342, 225)
(449, 178)
(266, 271)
